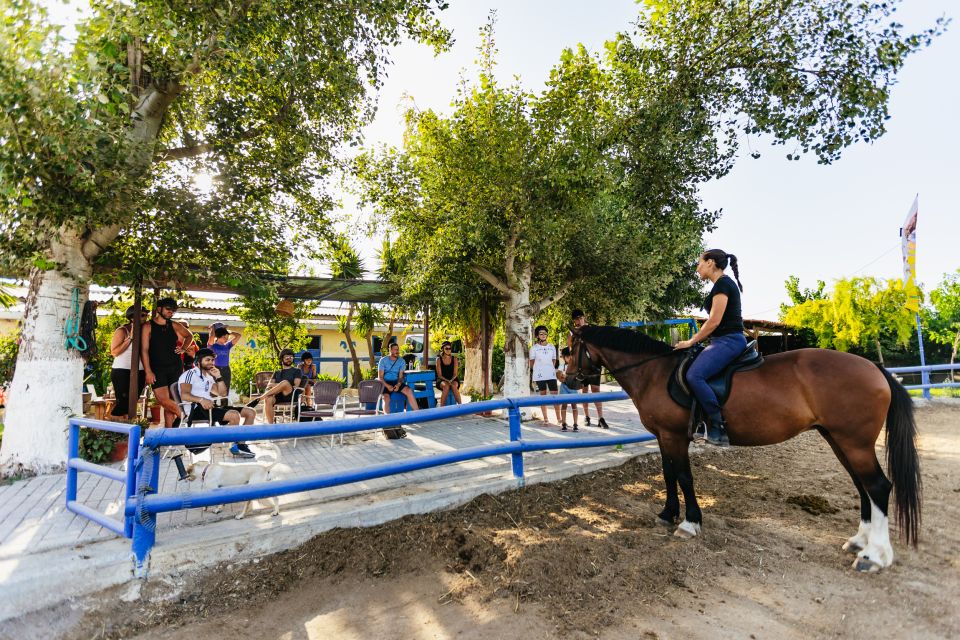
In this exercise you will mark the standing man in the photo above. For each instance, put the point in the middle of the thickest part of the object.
(198, 385)
(285, 381)
(543, 359)
(590, 382)
(161, 356)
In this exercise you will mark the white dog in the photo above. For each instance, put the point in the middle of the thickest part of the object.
(231, 474)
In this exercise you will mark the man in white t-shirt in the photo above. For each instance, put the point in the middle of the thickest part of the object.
(543, 359)
(198, 385)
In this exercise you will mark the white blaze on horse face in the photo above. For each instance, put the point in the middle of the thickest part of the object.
(859, 541)
(878, 549)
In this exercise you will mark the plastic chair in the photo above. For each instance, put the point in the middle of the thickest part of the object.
(326, 397)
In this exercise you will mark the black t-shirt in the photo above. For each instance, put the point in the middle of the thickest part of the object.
(732, 320)
(290, 375)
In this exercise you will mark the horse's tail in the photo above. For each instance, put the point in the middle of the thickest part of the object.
(902, 460)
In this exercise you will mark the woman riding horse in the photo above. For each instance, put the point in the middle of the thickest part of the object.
(724, 327)
(844, 397)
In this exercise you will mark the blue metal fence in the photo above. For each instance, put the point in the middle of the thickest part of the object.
(75, 464)
(143, 502)
(925, 372)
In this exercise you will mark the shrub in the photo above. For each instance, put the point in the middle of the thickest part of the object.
(246, 362)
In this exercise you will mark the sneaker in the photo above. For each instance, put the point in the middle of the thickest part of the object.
(253, 403)
(602, 424)
(575, 427)
(563, 427)
(243, 447)
(587, 421)
(238, 453)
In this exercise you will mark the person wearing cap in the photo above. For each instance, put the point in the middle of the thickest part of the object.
(199, 385)
(222, 341)
(590, 383)
(161, 356)
(121, 349)
(281, 387)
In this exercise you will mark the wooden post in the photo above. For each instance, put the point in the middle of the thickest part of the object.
(485, 345)
(137, 331)
(426, 338)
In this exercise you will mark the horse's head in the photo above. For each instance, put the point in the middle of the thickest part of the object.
(585, 361)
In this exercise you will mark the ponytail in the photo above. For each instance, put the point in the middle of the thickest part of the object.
(736, 270)
(721, 258)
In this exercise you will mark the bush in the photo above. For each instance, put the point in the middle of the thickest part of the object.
(9, 348)
(96, 445)
(497, 365)
(327, 376)
(246, 362)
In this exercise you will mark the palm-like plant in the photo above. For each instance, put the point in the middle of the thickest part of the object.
(366, 319)
(346, 264)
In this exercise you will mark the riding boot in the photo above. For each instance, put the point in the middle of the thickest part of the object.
(717, 432)
(178, 460)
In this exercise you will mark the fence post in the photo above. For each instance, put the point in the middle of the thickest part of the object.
(517, 458)
(73, 451)
(145, 532)
(133, 451)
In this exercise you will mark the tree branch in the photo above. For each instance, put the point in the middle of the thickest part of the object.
(511, 255)
(179, 153)
(543, 303)
(487, 275)
(99, 239)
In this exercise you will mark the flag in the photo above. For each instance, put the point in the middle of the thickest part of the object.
(908, 244)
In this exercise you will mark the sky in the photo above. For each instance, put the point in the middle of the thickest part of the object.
(780, 218)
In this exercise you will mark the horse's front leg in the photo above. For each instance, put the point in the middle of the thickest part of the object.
(674, 447)
(671, 510)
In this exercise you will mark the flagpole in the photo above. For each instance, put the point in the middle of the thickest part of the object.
(924, 374)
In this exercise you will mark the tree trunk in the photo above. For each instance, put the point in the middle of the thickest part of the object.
(473, 358)
(357, 371)
(879, 350)
(386, 338)
(372, 358)
(516, 347)
(46, 387)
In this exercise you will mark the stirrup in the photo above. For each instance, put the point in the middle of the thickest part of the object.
(699, 432)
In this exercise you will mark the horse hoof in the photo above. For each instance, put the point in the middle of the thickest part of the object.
(687, 530)
(866, 565)
(664, 523)
(852, 547)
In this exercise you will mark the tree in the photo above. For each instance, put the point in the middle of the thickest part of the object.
(943, 325)
(268, 328)
(345, 263)
(587, 190)
(100, 139)
(366, 319)
(857, 313)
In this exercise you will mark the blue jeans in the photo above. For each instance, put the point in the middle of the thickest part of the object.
(721, 351)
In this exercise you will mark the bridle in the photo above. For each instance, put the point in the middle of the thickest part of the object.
(580, 376)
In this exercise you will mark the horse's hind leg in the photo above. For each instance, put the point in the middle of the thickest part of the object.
(856, 543)
(671, 510)
(877, 554)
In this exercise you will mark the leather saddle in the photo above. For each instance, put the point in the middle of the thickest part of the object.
(677, 386)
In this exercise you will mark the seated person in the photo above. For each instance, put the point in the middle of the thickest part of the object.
(198, 385)
(309, 370)
(448, 368)
(390, 373)
(281, 387)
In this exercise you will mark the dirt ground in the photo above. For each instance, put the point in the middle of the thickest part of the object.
(584, 558)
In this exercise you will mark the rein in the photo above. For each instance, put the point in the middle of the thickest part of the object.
(613, 372)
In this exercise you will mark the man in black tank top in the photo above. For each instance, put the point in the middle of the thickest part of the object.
(161, 357)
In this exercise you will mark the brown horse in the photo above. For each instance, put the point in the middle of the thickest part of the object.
(844, 397)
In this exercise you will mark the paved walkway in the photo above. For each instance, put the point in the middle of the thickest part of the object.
(48, 553)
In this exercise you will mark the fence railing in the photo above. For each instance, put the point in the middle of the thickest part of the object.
(144, 503)
(76, 464)
(924, 372)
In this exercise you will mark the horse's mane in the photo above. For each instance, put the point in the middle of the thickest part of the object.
(624, 340)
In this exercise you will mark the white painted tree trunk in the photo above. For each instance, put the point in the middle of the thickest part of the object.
(516, 348)
(46, 387)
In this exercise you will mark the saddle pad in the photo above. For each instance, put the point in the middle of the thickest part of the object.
(721, 383)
